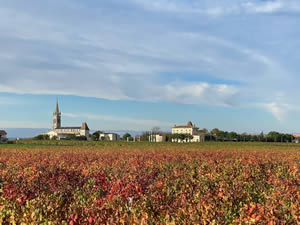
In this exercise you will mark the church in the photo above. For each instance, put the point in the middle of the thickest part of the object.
(63, 132)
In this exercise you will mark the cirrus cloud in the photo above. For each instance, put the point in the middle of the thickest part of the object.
(219, 8)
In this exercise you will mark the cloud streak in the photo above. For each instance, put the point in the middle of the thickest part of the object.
(281, 111)
(220, 8)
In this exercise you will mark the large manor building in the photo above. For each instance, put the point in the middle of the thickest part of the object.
(63, 132)
(189, 129)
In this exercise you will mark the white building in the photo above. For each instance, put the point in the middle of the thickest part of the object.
(3, 136)
(296, 138)
(157, 137)
(188, 129)
(63, 132)
(108, 136)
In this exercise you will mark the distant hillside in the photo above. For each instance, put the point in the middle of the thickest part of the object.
(24, 132)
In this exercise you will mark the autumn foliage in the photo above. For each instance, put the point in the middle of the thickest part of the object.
(150, 184)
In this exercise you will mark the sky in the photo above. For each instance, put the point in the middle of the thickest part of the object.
(136, 64)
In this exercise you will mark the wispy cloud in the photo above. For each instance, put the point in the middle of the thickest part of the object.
(281, 111)
(219, 8)
(272, 6)
(264, 7)
(202, 93)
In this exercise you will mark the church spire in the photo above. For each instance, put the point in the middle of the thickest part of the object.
(57, 109)
(56, 117)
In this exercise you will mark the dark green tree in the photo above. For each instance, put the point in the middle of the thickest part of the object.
(95, 135)
(125, 136)
(214, 131)
(203, 131)
(145, 136)
(232, 136)
(274, 136)
(42, 137)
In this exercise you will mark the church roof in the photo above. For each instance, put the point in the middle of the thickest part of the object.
(189, 125)
(84, 126)
(74, 128)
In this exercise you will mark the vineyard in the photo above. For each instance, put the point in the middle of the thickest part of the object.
(140, 183)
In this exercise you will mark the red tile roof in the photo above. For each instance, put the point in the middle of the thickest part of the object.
(189, 125)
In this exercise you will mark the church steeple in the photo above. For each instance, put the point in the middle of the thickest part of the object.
(56, 117)
(57, 109)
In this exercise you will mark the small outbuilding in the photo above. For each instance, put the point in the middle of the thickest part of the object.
(108, 136)
(3, 136)
(161, 137)
(296, 138)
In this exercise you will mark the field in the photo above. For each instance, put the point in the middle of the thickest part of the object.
(142, 183)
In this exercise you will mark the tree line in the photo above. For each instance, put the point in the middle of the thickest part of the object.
(273, 136)
(213, 135)
(219, 135)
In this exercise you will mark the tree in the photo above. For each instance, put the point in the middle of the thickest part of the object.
(209, 137)
(244, 137)
(188, 137)
(177, 137)
(288, 138)
(274, 136)
(255, 138)
(42, 137)
(94, 138)
(125, 136)
(95, 135)
(169, 138)
(80, 138)
(261, 136)
(181, 137)
(221, 135)
(73, 137)
(54, 138)
(145, 136)
(232, 136)
(203, 131)
(214, 131)
(155, 130)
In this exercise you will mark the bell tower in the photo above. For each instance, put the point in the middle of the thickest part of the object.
(56, 118)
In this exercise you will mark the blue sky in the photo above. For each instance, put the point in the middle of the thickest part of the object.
(135, 64)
